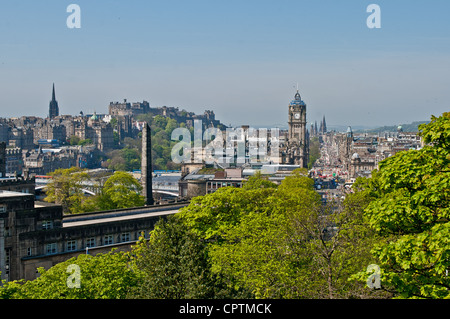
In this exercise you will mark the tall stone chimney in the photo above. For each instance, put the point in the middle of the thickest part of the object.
(146, 165)
(2, 159)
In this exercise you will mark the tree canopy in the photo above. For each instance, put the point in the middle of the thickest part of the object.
(278, 241)
(103, 276)
(121, 190)
(410, 212)
(66, 188)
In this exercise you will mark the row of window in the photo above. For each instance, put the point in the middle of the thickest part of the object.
(7, 260)
(213, 186)
(72, 245)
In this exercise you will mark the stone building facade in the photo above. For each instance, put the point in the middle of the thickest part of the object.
(39, 162)
(359, 154)
(100, 133)
(21, 137)
(37, 234)
(49, 130)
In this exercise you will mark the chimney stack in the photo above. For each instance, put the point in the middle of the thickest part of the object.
(146, 165)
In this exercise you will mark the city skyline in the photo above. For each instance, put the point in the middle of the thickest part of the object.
(240, 59)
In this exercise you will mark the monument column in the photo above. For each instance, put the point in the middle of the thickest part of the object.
(146, 165)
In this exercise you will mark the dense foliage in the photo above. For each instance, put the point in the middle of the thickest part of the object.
(410, 212)
(104, 276)
(121, 190)
(66, 189)
(259, 241)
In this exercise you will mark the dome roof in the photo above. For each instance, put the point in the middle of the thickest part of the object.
(297, 100)
(355, 156)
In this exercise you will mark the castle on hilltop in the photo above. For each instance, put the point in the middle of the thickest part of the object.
(126, 110)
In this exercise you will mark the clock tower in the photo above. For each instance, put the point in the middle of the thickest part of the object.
(297, 152)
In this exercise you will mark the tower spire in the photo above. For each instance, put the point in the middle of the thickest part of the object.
(297, 95)
(53, 107)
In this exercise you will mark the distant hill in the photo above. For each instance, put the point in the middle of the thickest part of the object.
(355, 128)
(412, 127)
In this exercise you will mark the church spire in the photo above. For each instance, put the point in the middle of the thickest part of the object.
(53, 107)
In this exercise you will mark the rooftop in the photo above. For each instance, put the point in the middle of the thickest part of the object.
(6, 194)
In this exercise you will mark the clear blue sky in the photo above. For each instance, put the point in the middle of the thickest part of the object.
(240, 58)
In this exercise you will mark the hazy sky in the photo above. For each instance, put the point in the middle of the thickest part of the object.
(241, 59)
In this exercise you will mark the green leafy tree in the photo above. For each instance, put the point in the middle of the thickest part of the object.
(128, 158)
(132, 158)
(103, 276)
(326, 244)
(411, 215)
(114, 122)
(74, 140)
(121, 190)
(174, 264)
(170, 126)
(66, 189)
(258, 181)
(159, 122)
(87, 141)
(252, 256)
(340, 243)
(245, 236)
(281, 242)
(308, 237)
(220, 219)
(115, 161)
(212, 215)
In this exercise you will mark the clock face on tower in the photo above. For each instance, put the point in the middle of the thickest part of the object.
(297, 116)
